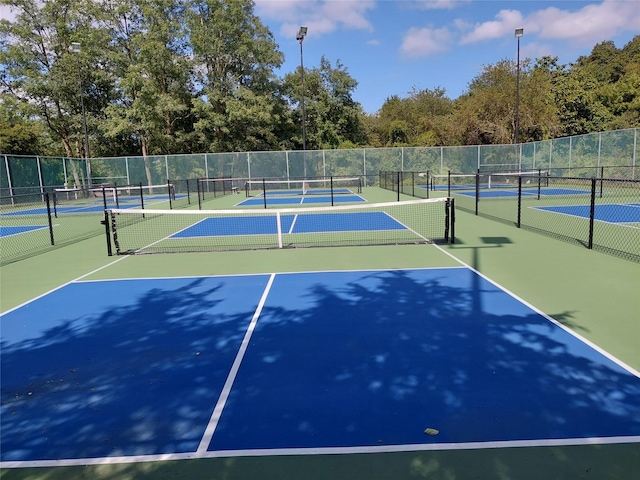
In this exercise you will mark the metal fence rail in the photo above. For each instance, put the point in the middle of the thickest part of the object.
(598, 213)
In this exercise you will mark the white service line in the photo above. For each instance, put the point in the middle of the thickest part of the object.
(226, 389)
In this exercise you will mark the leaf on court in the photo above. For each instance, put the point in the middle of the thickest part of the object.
(431, 431)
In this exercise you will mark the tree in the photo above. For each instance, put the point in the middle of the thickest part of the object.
(238, 105)
(39, 70)
(333, 117)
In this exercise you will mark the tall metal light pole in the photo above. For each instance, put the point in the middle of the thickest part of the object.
(75, 48)
(300, 37)
(519, 33)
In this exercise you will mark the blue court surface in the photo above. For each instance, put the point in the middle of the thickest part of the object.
(307, 223)
(311, 363)
(612, 213)
(8, 230)
(313, 199)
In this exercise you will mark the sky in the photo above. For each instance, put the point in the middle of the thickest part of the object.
(391, 47)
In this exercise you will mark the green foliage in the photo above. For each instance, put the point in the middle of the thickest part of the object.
(160, 77)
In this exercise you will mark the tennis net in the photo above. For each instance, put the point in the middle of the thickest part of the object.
(136, 231)
(315, 186)
(496, 180)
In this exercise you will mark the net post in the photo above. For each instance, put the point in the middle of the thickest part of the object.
(105, 222)
(592, 210)
(452, 219)
(46, 196)
(104, 196)
(279, 229)
(55, 205)
(188, 196)
(331, 187)
(413, 184)
(115, 231)
(519, 200)
(398, 183)
(447, 219)
(601, 180)
(264, 191)
(539, 182)
(169, 193)
(477, 190)
(198, 180)
(115, 189)
(448, 183)
(141, 199)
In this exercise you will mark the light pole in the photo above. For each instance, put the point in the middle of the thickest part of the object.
(300, 37)
(519, 33)
(75, 49)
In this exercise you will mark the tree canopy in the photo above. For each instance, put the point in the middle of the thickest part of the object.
(181, 76)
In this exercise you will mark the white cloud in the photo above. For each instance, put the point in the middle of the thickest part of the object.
(440, 4)
(422, 42)
(319, 16)
(505, 23)
(589, 24)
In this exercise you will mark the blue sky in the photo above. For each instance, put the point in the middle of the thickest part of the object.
(391, 46)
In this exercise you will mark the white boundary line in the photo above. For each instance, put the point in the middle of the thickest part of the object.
(321, 451)
(588, 342)
(119, 259)
(226, 389)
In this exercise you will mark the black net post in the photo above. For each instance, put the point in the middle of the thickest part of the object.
(477, 191)
(264, 191)
(413, 184)
(447, 219)
(105, 222)
(46, 196)
(601, 180)
(592, 211)
(198, 186)
(519, 201)
(539, 182)
(449, 183)
(188, 194)
(452, 219)
(104, 197)
(169, 193)
(398, 183)
(141, 199)
(331, 186)
(115, 191)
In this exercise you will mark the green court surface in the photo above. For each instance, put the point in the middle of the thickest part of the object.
(594, 294)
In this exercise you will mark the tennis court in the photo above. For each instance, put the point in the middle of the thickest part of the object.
(612, 213)
(396, 361)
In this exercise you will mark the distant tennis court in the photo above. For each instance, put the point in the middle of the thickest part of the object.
(612, 213)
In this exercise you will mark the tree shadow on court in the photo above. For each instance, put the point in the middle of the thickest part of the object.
(130, 378)
(336, 360)
(378, 359)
